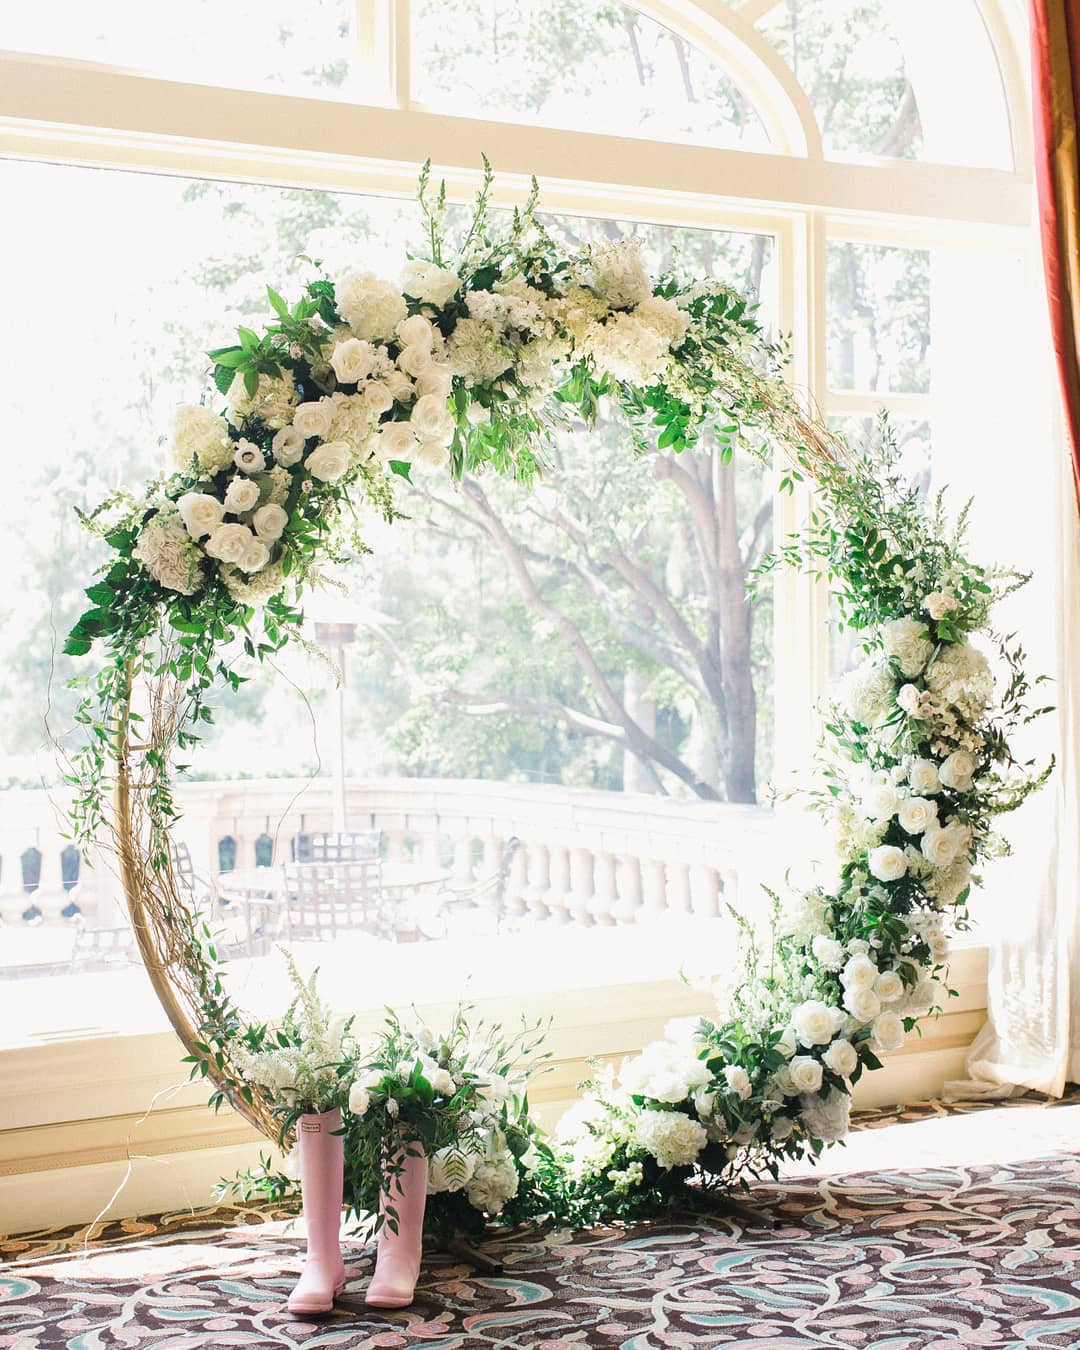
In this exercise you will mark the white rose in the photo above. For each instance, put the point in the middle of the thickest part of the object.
(288, 443)
(353, 360)
(957, 771)
(329, 461)
(939, 947)
(908, 643)
(887, 862)
(395, 440)
(313, 419)
(939, 603)
(923, 777)
(917, 814)
(229, 542)
(431, 285)
(889, 986)
(738, 1080)
(400, 386)
(424, 1036)
(788, 1042)
(414, 360)
(377, 396)
(359, 1100)
(859, 973)
(432, 456)
(269, 522)
(249, 457)
(704, 1102)
(813, 1022)
(842, 1058)
(910, 700)
(200, 512)
(437, 380)
(415, 331)
(828, 953)
(241, 495)
(858, 946)
(442, 1083)
(805, 1073)
(888, 1030)
(254, 557)
(942, 845)
(431, 419)
(863, 1004)
(880, 801)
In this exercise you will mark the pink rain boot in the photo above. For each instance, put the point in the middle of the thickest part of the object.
(322, 1174)
(397, 1265)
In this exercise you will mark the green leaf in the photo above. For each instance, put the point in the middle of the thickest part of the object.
(402, 468)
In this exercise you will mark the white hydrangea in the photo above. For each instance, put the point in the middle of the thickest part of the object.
(664, 1071)
(372, 308)
(479, 353)
(868, 693)
(272, 403)
(491, 1185)
(827, 1118)
(201, 435)
(961, 678)
(628, 348)
(619, 275)
(945, 884)
(908, 643)
(673, 1139)
(168, 552)
(451, 1169)
(253, 590)
(429, 283)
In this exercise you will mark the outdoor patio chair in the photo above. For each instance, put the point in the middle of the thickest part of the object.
(327, 898)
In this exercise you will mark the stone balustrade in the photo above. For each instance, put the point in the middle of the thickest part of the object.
(587, 857)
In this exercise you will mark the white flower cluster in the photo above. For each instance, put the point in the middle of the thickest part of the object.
(168, 553)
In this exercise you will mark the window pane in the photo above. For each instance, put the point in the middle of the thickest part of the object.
(878, 318)
(583, 64)
(161, 269)
(298, 49)
(881, 78)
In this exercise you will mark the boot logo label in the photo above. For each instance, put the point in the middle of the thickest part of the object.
(311, 1128)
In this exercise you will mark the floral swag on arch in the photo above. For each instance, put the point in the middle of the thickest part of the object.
(464, 367)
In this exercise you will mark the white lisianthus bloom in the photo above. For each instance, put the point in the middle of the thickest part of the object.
(805, 1073)
(673, 1139)
(230, 542)
(415, 360)
(908, 643)
(828, 953)
(353, 360)
(888, 1030)
(923, 777)
(813, 1022)
(416, 331)
(887, 862)
(917, 814)
(826, 1118)
(200, 512)
(880, 801)
(939, 603)
(437, 380)
(372, 308)
(431, 456)
(859, 973)
(430, 284)
(203, 436)
(781, 1128)
(329, 462)
(738, 1081)
(269, 522)
(958, 770)
(395, 440)
(359, 1100)
(432, 420)
(889, 986)
(842, 1058)
(241, 495)
(863, 1004)
(249, 457)
(312, 419)
(288, 443)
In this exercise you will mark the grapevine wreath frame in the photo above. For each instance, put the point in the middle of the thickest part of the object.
(467, 366)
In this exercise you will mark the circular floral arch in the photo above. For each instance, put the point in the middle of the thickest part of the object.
(467, 366)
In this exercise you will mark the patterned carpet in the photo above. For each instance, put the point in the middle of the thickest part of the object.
(929, 1257)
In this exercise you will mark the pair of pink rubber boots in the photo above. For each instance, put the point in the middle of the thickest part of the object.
(322, 1175)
